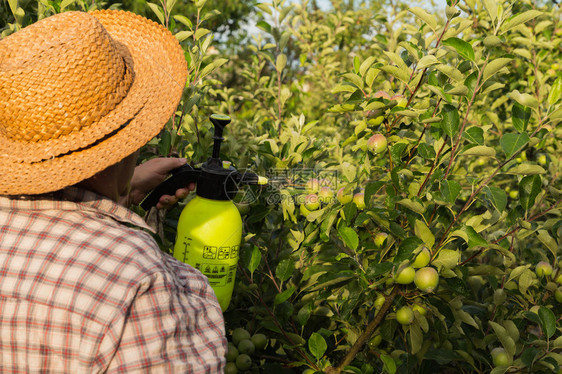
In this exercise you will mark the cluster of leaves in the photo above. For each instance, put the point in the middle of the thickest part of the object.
(468, 98)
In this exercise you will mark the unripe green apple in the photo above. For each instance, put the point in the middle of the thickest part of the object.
(405, 275)
(543, 269)
(405, 315)
(514, 194)
(344, 197)
(359, 200)
(380, 239)
(312, 185)
(500, 357)
(421, 310)
(558, 294)
(541, 159)
(559, 278)
(325, 194)
(377, 143)
(426, 279)
(375, 341)
(311, 202)
(422, 258)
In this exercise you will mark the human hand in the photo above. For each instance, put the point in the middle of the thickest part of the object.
(150, 174)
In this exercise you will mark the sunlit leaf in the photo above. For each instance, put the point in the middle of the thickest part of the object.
(463, 48)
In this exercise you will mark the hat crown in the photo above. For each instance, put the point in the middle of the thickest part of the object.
(59, 76)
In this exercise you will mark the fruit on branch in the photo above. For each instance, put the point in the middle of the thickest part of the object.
(543, 269)
(311, 202)
(343, 196)
(426, 279)
(422, 258)
(405, 275)
(359, 200)
(377, 143)
(405, 315)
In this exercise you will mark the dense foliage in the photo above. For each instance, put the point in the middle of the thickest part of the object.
(440, 130)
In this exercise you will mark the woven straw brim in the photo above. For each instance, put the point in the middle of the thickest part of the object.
(160, 73)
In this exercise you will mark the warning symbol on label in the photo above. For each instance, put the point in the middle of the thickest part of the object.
(217, 274)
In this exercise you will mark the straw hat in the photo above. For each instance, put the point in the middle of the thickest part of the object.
(81, 91)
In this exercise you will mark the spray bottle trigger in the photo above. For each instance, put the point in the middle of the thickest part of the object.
(180, 178)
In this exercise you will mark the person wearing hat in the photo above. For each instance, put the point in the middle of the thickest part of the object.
(84, 287)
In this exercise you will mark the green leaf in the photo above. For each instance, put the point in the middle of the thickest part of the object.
(526, 169)
(450, 190)
(416, 338)
(549, 242)
(285, 269)
(548, 321)
(427, 61)
(365, 65)
(264, 26)
(555, 92)
(406, 248)
(317, 345)
(474, 135)
(65, 3)
(400, 74)
(425, 17)
(158, 11)
(504, 338)
(201, 32)
(479, 150)
(284, 296)
(349, 237)
(212, 66)
(255, 259)
(492, 8)
(182, 35)
(13, 5)
(412, 205)
(447, 258)
(355, 79)
(389, 364)
(165, 143)
(493, 67)
(474, 239)
(511, 143)
(497, 196)
(424, 233)
(450, 120)
(529, 187)
(356, 64)
(520, 116)
(463, 48)
(524, 99)
(518, 19)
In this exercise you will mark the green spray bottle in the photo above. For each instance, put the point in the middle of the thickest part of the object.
(210, 227)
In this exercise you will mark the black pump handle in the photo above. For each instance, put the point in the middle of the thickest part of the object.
(180, 178)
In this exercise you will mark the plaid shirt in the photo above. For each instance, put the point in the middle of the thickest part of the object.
(81, 291)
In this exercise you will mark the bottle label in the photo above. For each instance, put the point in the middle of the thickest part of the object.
(217, 273)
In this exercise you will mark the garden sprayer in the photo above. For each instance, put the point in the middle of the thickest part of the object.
(210, 226)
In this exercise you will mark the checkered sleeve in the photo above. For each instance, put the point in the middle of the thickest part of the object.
(167, 328)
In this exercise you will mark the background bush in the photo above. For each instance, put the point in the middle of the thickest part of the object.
(468, 100)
